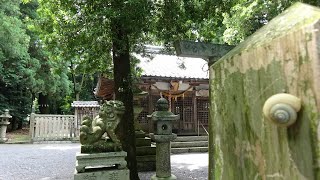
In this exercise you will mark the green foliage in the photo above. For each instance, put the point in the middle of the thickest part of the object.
(51, 76)
(25, 69)
(188, 19)
(53, 27)
(80, 31)
(15, 70)
(66, 105)
(14, 57)
(245, 17)
(75, 37)
(79, 34)
(35, 106)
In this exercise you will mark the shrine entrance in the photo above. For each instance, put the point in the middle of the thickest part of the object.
(193, 112)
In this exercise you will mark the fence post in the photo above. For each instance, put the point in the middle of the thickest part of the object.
(31, 129)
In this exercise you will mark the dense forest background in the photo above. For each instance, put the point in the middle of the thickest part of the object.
(52, 51)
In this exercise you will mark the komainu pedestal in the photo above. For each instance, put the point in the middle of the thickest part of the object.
(96, 166)
(102, 158)
(103, 175)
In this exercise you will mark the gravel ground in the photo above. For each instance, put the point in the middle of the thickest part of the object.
(57, 161)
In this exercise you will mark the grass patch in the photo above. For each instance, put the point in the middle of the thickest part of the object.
(21, 135)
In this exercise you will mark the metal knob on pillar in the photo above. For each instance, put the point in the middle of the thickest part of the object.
(4, 122)
(162, 136)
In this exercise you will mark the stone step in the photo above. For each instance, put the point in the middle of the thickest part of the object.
(189, 150)
(146, 150)
(146, 158)
(140, 134)
(146, 163)
(190, 138)
(145, 141)
(189, 144)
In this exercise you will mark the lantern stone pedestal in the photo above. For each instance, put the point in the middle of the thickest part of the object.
(163, 161)
(4, 122)
(3, 130)
(163, 135)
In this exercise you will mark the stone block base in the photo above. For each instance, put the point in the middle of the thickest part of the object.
(146, 163)
(121, 174)
(172, 177)
(146, 153)
(146, 150)
(3, 140)
(99, 160)
(140, 134)
(143, 142)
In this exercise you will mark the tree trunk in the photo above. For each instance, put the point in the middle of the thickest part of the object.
(77, 96)
(123, 92)
(13, 124)
(20, 124)
(43, 102)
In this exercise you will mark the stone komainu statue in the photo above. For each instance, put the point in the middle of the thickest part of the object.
(91, 130)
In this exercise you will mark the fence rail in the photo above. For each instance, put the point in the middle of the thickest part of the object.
(47, 127)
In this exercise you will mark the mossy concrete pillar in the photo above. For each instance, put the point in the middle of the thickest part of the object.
(163, 135)
(281, 57)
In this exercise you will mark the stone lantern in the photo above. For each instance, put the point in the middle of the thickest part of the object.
(4, 122)
(162, 136)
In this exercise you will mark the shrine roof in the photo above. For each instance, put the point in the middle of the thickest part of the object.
(159, 65)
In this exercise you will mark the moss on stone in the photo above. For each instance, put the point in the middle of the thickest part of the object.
(101, 146)
(246, 146)
(276, 59)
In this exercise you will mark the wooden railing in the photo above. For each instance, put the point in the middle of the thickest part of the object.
(51, 127)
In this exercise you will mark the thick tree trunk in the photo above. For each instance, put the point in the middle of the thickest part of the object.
(20, 124)
(43, 102)
(123, 92)
(13, 124)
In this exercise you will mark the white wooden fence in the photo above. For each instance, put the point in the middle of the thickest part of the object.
(51, 127)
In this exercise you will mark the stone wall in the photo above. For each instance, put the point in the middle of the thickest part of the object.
(283, 56)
